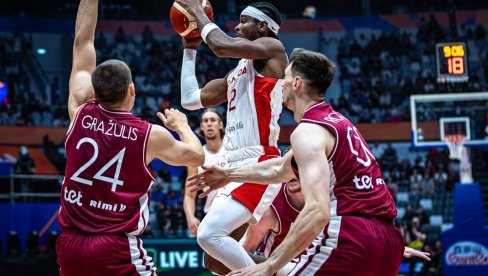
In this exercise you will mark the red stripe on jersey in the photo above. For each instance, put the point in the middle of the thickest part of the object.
(263, 87)
(250, 194)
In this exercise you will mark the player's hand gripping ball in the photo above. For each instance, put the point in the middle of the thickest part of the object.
(184, 23)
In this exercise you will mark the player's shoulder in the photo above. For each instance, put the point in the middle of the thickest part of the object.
(305, 127)
(158, 134)
(307, 134)
(271, 42)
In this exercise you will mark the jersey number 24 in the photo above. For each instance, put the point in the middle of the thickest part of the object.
(119, 157)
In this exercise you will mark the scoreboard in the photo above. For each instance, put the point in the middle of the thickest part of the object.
(452, 62)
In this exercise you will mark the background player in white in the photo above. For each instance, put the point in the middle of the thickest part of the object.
(253, 92)
(212, 129)
(104, 199)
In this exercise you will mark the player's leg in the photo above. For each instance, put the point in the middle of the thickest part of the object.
(225, 216)
(215, 265)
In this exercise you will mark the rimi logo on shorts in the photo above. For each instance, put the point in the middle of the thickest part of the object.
(106, 206)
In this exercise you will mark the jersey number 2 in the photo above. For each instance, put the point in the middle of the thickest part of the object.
(119, 157)
(234, 93)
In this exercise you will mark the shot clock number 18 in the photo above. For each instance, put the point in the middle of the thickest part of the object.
(451, 62)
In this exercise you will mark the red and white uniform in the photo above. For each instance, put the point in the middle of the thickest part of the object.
(360, 238)
(254, 106)
(105, 194)
(286, 215)
(212, 159)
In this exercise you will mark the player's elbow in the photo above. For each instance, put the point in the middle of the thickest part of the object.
(81, 40)
(320, 215)
(190, 95)
(189, 105)
(200, 159)
(197, 158)
(323, 217)
(193, 156)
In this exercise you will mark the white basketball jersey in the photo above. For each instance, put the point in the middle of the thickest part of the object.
(254, 104)
(212, 159)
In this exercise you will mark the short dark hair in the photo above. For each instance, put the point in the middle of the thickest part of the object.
(110, 81)
(315, 68)
(271, 11)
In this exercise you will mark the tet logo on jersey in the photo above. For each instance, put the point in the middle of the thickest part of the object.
(366, 182)
(73, 197)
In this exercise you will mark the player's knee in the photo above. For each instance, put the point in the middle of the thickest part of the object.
(204, 238)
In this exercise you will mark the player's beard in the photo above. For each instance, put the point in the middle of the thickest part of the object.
(211, 138)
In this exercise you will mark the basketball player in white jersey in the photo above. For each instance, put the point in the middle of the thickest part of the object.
(254, 102)
(212, 129)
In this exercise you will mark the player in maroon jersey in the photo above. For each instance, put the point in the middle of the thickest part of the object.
(105, 192)
(276, 222)
(271, 230)
(347, 219)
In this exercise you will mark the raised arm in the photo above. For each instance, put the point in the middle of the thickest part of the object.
(84, 56)
(309, 143)
(225, 46)
(162, 145)
(193, 97)
(189, 206)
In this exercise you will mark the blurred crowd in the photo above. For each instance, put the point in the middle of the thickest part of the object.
(377, 74)
(422, 186)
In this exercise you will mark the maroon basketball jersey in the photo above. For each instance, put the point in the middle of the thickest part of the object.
(106, 184)
(357, 187)
(286, 215)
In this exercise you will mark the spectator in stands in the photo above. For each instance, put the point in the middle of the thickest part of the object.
(25, 165)
(422, 216)
(415, 180)
(157, 195)
(413, 237)
(392, 187)
(409, 214)
(377, 150)
(427, 185)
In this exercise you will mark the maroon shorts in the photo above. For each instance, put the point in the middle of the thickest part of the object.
(80, 254)
(354, 246)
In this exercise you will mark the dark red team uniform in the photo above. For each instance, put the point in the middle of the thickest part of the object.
(286, 215)
(105, 195)
(360, 238)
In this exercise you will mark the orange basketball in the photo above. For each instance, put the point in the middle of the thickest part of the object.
(185, 24)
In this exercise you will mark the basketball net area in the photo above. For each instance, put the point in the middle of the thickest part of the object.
(457, 151)
(457, 120)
